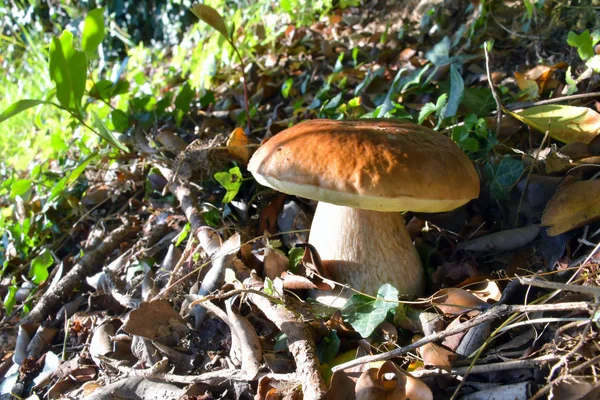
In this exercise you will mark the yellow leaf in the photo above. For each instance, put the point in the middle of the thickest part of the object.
(567, 124)
(572, 206)
(237, 145)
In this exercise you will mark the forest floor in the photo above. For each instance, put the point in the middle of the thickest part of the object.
(168, 272)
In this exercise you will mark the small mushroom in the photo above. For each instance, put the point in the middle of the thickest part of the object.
(363, 173)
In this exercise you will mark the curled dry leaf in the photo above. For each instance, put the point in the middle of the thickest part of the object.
(390, 383)
(572, 206)
(455, 301)
(237, 145)
(566, 123)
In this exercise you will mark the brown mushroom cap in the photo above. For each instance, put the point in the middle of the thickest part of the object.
(373, 164)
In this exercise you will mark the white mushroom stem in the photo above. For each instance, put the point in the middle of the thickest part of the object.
(365, 249)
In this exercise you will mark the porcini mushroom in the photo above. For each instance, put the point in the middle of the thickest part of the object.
(364, 173)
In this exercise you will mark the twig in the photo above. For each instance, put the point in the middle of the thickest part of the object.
(594, 291)
(580, 367)
(494, 94)
(529, 104)
(300, 342)
(90, 264)
(492, 313)
(484, 368)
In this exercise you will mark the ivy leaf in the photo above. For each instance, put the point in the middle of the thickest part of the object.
(285, 88)
(10, 299)
(231, 181)
(365, 313)
(430, 108)
(211, 17)
(457, 90)
(584, 42)
(38, 271)
(328, 347)
(93, 30)
(503, 176)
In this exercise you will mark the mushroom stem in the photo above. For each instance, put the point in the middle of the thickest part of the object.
(365, 249)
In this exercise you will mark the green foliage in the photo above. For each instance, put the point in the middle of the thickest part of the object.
(38, 271)
(473, 136)
(365, 313)
(295, 256)
(328, 347)
(232, 181)
(584, 42)
(502, 176)
(457, 89)
(93, 31)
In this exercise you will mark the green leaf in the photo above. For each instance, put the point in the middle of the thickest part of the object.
(365, 313)
(502, 176)
(106, 134)
(211, 17)
(231, 181)
(285, 88)
(184, 98)
(38, 271)
(457, 89)
(295, 256)
(120, 120)
(93, 30)
(10, 299)
(430, 108)
(19, 187)
(328, 347)
(68, 70)
(583, 42)
(183, 234)
(20, 106)
(212, 218)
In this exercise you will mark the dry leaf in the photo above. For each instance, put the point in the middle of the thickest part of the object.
(572, 206)
(390, 383)
(487, 290)
(437, 356)
(237, 145)
(153, 320)
(456, 301)
(566, 123)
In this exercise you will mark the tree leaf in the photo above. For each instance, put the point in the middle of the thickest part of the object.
(211, 17)
(365, 313)
(106, 133)
(567, 124)
(20, 106)
(237, 145)
(572, 206)
(437, 356)
(457, 90)
(19, 187)
(68, 70)
(93, 30)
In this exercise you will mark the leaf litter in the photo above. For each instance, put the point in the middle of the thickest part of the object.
(252, 317)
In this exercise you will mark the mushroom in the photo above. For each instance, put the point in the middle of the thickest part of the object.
(363, 173)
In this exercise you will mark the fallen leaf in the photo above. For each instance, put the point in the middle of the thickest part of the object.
(390, 383)
(566, 123)
(437, 356)
(237, 145)
(154, 319)
(507, 240)
(572, 206)
(454, 301)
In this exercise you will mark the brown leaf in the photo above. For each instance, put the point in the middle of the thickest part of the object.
(153, 320)
(237, 145)
(455, 301)
(375, 384)
(276, 263)
(437, 356)
(211, 17)
(572, 206)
